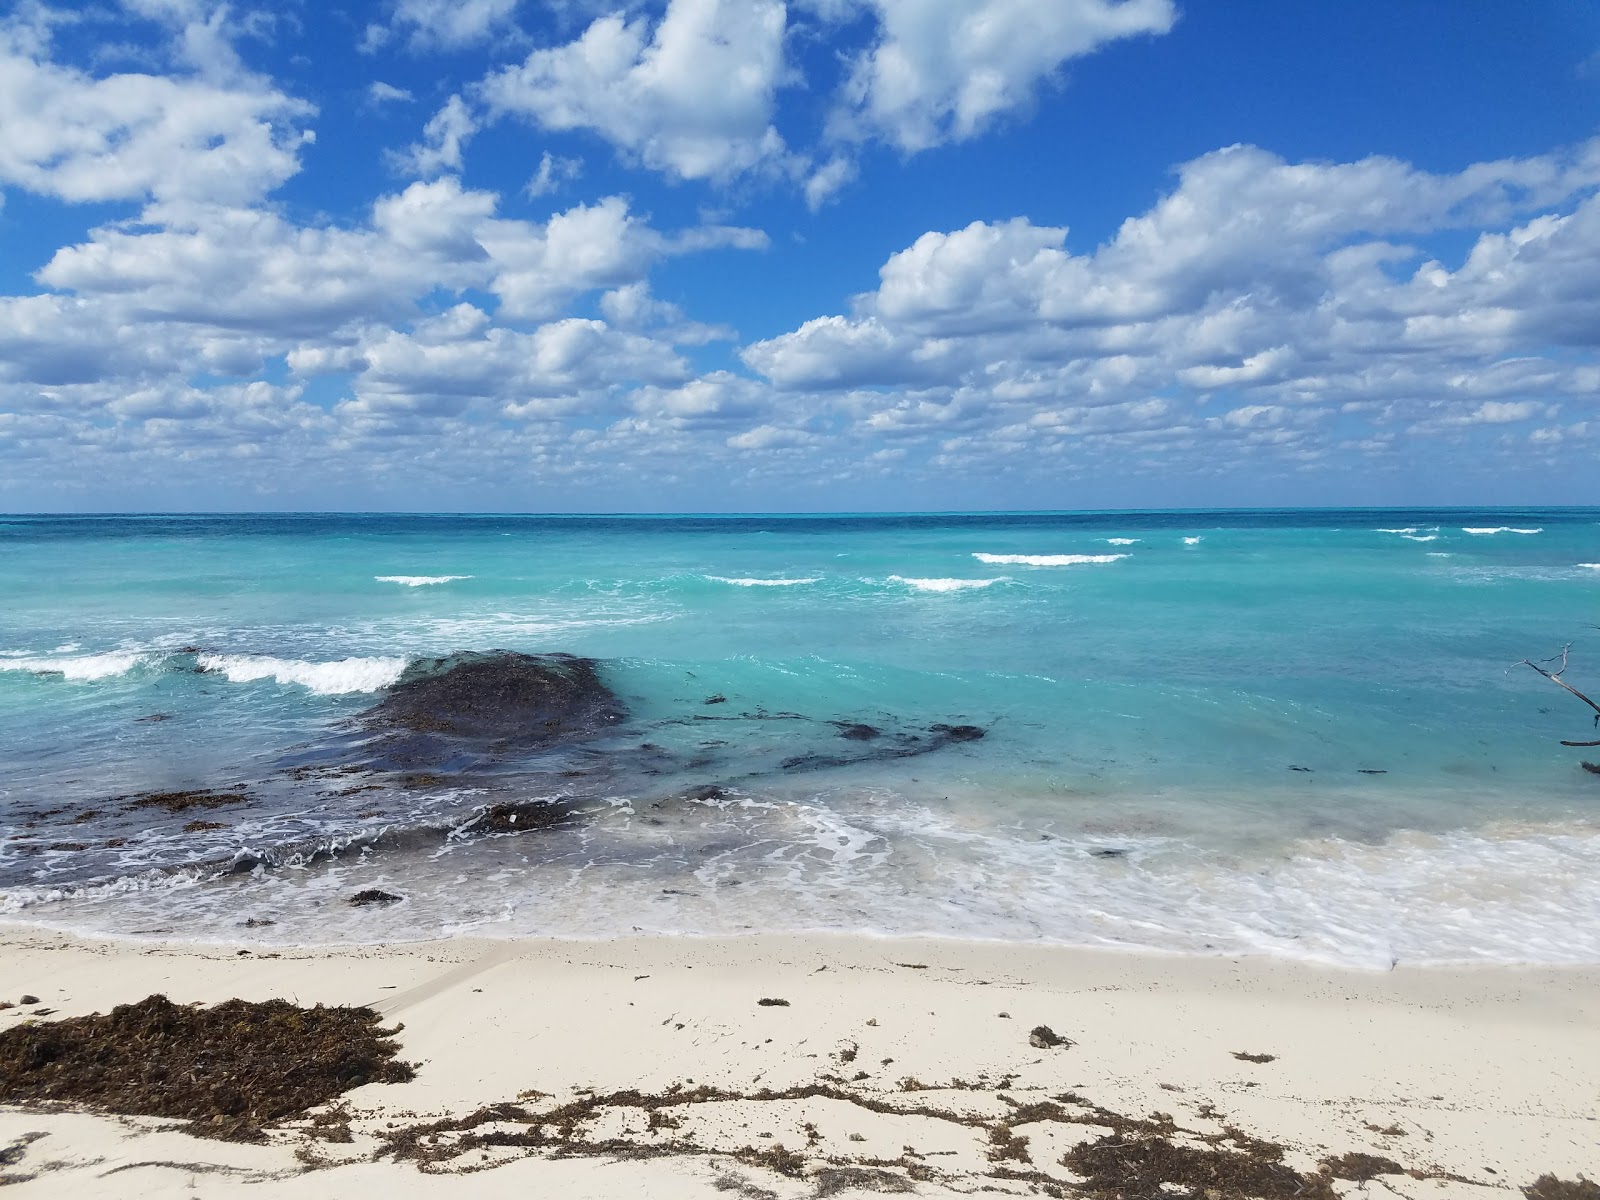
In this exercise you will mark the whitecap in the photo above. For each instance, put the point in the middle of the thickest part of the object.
(323, 678)
(1484, 531)
(1422, 537)
(1122, 541)
(419, 580)
(1590, 566)
(946, 585)
(1406, 530)
(762, 582)
(1047, 560)
(1191, 541)
(82, 667)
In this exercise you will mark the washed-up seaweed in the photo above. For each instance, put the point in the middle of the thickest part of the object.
(231, 1070)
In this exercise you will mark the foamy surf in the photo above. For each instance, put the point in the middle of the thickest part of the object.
(78, 668)
(1047, 560)
(1192, 541)
(323, 678)
(1122, 541)
(745, 582)
(1486, 531)
(946, 585)
(419, 580)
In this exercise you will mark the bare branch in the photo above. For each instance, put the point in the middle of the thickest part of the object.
(1555, 678)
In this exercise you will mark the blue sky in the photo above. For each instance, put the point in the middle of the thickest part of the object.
(698, 255)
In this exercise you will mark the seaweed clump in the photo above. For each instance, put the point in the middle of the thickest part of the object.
(1548, 1187)
(1154, 1166)
(230, 1070)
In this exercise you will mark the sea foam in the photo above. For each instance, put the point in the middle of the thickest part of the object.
(946, 585)
(762, 582)
(419, 580)
(1047, 560)
(80, 667)
(1122, 541)
(323, 678)
(1485, 531)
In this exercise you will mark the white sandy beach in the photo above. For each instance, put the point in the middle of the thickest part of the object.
(1472, 1079)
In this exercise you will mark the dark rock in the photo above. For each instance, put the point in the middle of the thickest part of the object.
(258, 922)
(203, 826)
(772, 1002)
(1370, 771)
(958, 733)
(1592, 768)
(519, 818)
(28, 1000)
(707, 791)
(178, 802)
(719, 698)
(523, 701)
(858, 733)
(1307, 770)
(1044, 1038)
(1109, 852)
(373, 896)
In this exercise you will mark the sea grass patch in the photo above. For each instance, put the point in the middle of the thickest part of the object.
(231, 1070)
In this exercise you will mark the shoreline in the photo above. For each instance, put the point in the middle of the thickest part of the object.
(889, 1059)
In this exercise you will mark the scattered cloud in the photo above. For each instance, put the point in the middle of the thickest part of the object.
(692, 95)
(553, 172)
(380, 93)
(945, 70)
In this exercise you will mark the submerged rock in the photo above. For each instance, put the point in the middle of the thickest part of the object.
(858, 732)
(519, 818)
(525, 701)
(374, 896)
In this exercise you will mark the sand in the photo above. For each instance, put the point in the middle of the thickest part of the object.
(893, 1064)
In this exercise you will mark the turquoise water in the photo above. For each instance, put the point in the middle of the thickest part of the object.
(1147, 684)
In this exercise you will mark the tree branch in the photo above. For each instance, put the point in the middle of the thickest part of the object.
(1555, 678)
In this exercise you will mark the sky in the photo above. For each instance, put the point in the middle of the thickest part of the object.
(829, 255)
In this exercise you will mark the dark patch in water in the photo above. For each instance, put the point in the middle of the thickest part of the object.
(857, 733)
(519, 818)
(180, 802)
(903, 746)
(373, 896)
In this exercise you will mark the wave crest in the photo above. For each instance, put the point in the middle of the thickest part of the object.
(1048, 560)
(322, 678)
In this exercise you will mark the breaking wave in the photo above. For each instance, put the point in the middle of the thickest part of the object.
(1047, 560)
(419, 580)
(323, 678)
(946, 585)
(79, 667)
(763, 582)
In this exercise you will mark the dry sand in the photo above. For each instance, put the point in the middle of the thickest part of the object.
(894, 1064)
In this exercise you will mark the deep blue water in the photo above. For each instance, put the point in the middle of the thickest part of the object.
(1147, 684)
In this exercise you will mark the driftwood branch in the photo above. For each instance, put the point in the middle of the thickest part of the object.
(1555, 678)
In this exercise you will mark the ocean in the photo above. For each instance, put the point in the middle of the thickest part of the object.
(1294, 733)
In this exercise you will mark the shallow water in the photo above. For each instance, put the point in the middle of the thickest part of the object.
(1147, 684)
